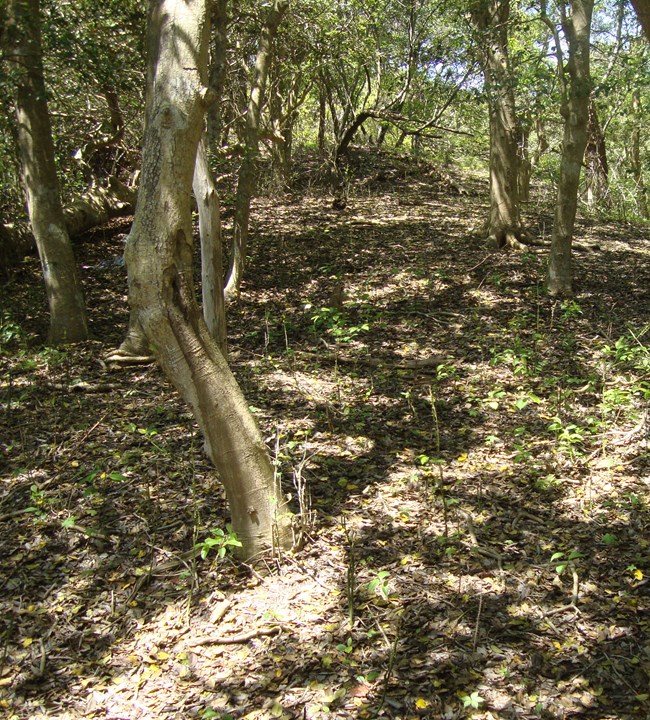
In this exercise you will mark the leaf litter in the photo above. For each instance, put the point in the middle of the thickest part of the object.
(475, 527)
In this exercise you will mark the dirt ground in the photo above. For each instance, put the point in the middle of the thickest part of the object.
(470, 459)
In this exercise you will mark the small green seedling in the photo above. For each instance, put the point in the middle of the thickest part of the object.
(565, 559)
(379, 584)
(347, 648)
(474, 700)
(222, 541)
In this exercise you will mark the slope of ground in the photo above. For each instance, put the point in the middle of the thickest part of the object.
(470, 457)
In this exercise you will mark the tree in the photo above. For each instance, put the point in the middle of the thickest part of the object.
(635, 157)
(575, 83)
(491, 18)
(248, 169)
(161, 288)
(24, 57)
(642, 9)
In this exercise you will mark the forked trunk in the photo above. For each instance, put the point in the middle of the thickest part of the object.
(159, 254)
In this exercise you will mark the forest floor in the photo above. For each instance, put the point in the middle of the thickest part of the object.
(471, 459)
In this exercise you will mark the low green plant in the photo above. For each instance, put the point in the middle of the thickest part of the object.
(569, 436)
(565, 560)
(335, 323)
(474, 700)
(494, 398)
(570, 309)
(379, 584)
(629, 350)
(10, 332)
(220, 540)
(346, 648)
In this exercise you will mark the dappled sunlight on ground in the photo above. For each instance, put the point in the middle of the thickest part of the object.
(476, 460)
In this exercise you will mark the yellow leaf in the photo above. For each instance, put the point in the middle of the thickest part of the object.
(162, 655)
(27, 642)
(422, 704)
(638, 574)
(277, 710)
(462, 458)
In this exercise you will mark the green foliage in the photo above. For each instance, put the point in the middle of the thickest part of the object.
(221, 541)
(379, 584)
(473, 700)
(11, 334)
(335, 323)
(566, 560)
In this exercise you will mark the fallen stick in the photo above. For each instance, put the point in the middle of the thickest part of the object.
(235, 639)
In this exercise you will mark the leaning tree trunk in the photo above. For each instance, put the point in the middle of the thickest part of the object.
(159, 255)
(504, 224)
(34, 138)
(575, 111)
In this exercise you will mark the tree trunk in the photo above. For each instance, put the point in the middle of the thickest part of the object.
(504, 225)
(635, 156)
(218, 67)
(161, 290)
(207, 199)
(575, 111)
(248, 171)
(322, 119)
(596, 166)
(34, 137)
(642, 9)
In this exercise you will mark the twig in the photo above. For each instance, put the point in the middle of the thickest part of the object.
(236, 639)
(478, 623)
(391, 662)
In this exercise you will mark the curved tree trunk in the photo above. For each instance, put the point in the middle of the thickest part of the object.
(575, 111)
(504, 224)
(248, 171)
(161, 290)
(34, 137)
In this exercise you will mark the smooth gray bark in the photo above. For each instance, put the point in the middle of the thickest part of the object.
(161, 288)
(207, 199)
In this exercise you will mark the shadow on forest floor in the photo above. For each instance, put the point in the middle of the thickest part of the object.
(476, 456)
